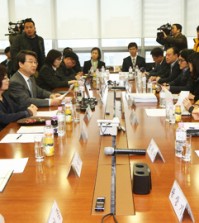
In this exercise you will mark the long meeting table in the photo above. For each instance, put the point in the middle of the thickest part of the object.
(28, 196)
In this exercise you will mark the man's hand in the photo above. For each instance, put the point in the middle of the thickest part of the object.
(33, 109)
(187, 103)
(54, 96)
(195, 113)
(56, 101)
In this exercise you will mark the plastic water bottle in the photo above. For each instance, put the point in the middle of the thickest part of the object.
(144, 84)
(68, 111)
(180, 141)
(60, 121)
(48, 140)
(162, 101)
(130, 70)
(149, 86)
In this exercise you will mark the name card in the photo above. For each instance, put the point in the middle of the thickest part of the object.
(179, 202)
(76, 165)
(83, 132)
(133, 118)
(88, 112)
(55, 214)
(153, 151)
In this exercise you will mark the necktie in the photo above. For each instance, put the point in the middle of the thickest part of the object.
(30, 86)
(133, 62)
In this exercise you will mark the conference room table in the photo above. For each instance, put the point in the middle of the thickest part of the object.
(28, 197)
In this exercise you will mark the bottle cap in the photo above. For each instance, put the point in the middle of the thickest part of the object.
(59, 108)
(181, 124)
(48, 122)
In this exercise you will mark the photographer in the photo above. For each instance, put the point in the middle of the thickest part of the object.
(173, 39)
(28, 40)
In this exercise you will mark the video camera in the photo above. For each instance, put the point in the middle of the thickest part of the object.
(15, 28)
(166, 28)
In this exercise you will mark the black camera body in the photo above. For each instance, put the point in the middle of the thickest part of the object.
(165, 28)
(15, 28)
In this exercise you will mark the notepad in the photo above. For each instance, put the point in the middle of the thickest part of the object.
(5, 175)
(19, 138)
(31, 129)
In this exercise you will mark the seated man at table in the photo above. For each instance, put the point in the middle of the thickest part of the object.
(9, 110)
(183, 82)
(23, 88)
(133, 60)
(161, 67)
(171, 59)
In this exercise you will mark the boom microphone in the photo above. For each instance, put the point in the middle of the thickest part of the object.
(112, 151)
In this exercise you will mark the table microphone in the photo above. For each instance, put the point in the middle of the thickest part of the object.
(112, 151)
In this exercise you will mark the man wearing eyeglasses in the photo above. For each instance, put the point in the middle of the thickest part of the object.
(183, 82)
(23, 88)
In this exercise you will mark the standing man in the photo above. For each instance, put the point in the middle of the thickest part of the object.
(133, 60)
(176, 39)
(23, 88)
(28, 40)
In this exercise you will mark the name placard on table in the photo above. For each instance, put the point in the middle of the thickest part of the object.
(179, 202)
(154, 152)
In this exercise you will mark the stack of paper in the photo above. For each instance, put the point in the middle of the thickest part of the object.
(143, 97)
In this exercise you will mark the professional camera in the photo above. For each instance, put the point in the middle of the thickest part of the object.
(15, 28)
(165, 28)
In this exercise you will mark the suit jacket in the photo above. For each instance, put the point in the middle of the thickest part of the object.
(20, 92)
(172, 74)
(127, 62)
(180, 42)
(66, 73)
(88, 65)
(22, 42)
(49, 79)
(161, 70)
(10, 111)
(183, 82)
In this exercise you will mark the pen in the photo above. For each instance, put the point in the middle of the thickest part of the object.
(19, 136)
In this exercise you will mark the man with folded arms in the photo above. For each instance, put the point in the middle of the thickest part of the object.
(23, 88)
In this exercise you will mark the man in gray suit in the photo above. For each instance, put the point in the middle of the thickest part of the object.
(23, 88)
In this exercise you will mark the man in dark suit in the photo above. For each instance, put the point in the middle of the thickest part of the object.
(161, 68)
(23, 88)
(171, 59)
(133, 60)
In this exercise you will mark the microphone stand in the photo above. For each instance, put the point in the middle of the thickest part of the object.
(113, 172)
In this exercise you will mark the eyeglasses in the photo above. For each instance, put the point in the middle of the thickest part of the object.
(32, 62)
(180, 60)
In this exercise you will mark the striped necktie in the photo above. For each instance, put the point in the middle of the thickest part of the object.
(30, 86)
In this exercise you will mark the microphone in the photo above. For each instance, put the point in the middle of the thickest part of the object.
(112, 151)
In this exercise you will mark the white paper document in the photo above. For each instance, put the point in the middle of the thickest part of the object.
(19, 138)
(31, 129)
(46, 113)
(155, 112)
(182, 96)
(143, 97)
(17, 165)
(5, 174)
